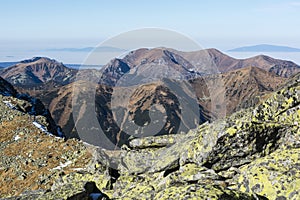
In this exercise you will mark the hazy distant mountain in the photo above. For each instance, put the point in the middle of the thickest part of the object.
(7, 64)
(265, 48)
(88, 49)
(38, 70)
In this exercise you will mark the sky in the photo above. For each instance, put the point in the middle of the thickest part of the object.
(34, 24)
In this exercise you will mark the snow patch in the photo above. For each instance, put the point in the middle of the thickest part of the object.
(41, 127)
(17, 137)
(62, 165)
(77, 169)
(8, 103)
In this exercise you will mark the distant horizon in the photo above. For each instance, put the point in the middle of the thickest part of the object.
(33, 26)
(67, 57)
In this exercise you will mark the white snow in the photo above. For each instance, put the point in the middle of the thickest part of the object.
(62, 165)
(17, 137)
(78, 169)
(8, 103)
(41, 127)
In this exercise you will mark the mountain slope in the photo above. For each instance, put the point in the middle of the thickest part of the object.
(23, 104)
(225, 63)
(6, 89)
(36, 71)
(252, 154)
(242, 88)
(170, 63)
(146, 66)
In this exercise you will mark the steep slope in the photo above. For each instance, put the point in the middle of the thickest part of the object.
(36, 71)
(225, 63)
(148, 65)
(31, 160)
(279, 67)
(22, 103)
(155, 97)
(221, 154)
(6, 89)
(243, 88)
(145, 66)
(252, 154)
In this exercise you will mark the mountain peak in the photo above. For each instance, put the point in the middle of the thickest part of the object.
(39, 59)
(37, 70)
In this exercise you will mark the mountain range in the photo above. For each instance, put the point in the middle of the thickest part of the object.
(265, 48)
(250, 153)
(40, 70)
(7, 64)
(228, 86)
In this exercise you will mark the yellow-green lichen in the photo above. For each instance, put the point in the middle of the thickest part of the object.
(272, 176)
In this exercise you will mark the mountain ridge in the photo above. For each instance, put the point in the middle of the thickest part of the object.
(37, 70)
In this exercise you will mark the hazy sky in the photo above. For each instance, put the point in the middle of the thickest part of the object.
(79, 23)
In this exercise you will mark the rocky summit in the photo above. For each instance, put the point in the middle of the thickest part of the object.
(252, 154)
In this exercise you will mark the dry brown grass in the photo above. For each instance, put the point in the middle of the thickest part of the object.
(32, 148)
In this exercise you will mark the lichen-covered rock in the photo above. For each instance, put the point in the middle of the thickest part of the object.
(191, 191)
(276, 176)
(220, 152)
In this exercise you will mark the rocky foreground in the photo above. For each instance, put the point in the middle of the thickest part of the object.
(253, 154)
